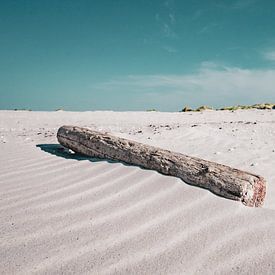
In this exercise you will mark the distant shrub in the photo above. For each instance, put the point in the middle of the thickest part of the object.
(186, 109)
(229, 108)
(203, 108)
(23, 109)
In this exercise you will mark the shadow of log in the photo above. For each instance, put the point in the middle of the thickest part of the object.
(63, 152)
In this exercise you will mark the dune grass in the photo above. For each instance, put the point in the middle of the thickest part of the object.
(261, 106)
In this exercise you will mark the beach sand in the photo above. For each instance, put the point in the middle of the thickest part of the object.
(63, 214)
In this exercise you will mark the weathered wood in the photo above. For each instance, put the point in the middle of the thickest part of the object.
(220, 179)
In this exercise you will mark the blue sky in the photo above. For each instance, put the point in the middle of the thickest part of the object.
(136, 55)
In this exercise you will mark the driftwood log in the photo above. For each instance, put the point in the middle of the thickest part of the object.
(220, 179)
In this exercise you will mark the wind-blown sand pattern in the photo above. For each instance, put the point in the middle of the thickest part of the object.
(63, 213)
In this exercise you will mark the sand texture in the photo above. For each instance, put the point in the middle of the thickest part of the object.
(62, 213)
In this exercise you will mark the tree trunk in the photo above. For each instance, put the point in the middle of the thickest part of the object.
(220, 179)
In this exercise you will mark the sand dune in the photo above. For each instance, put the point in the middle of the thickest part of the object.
(62, 213)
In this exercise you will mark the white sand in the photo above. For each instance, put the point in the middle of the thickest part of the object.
(63, 215)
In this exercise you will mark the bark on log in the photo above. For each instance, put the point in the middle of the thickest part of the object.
(222, 180)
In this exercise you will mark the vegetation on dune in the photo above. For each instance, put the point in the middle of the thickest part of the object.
(200, 109)
(187, 109)
(262, 106)
(203, 108)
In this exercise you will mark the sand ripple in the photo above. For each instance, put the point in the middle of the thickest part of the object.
(77, 215)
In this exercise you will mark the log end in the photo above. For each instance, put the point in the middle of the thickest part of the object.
(255, 197)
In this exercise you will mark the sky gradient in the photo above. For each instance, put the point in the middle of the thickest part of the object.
(136, 55)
